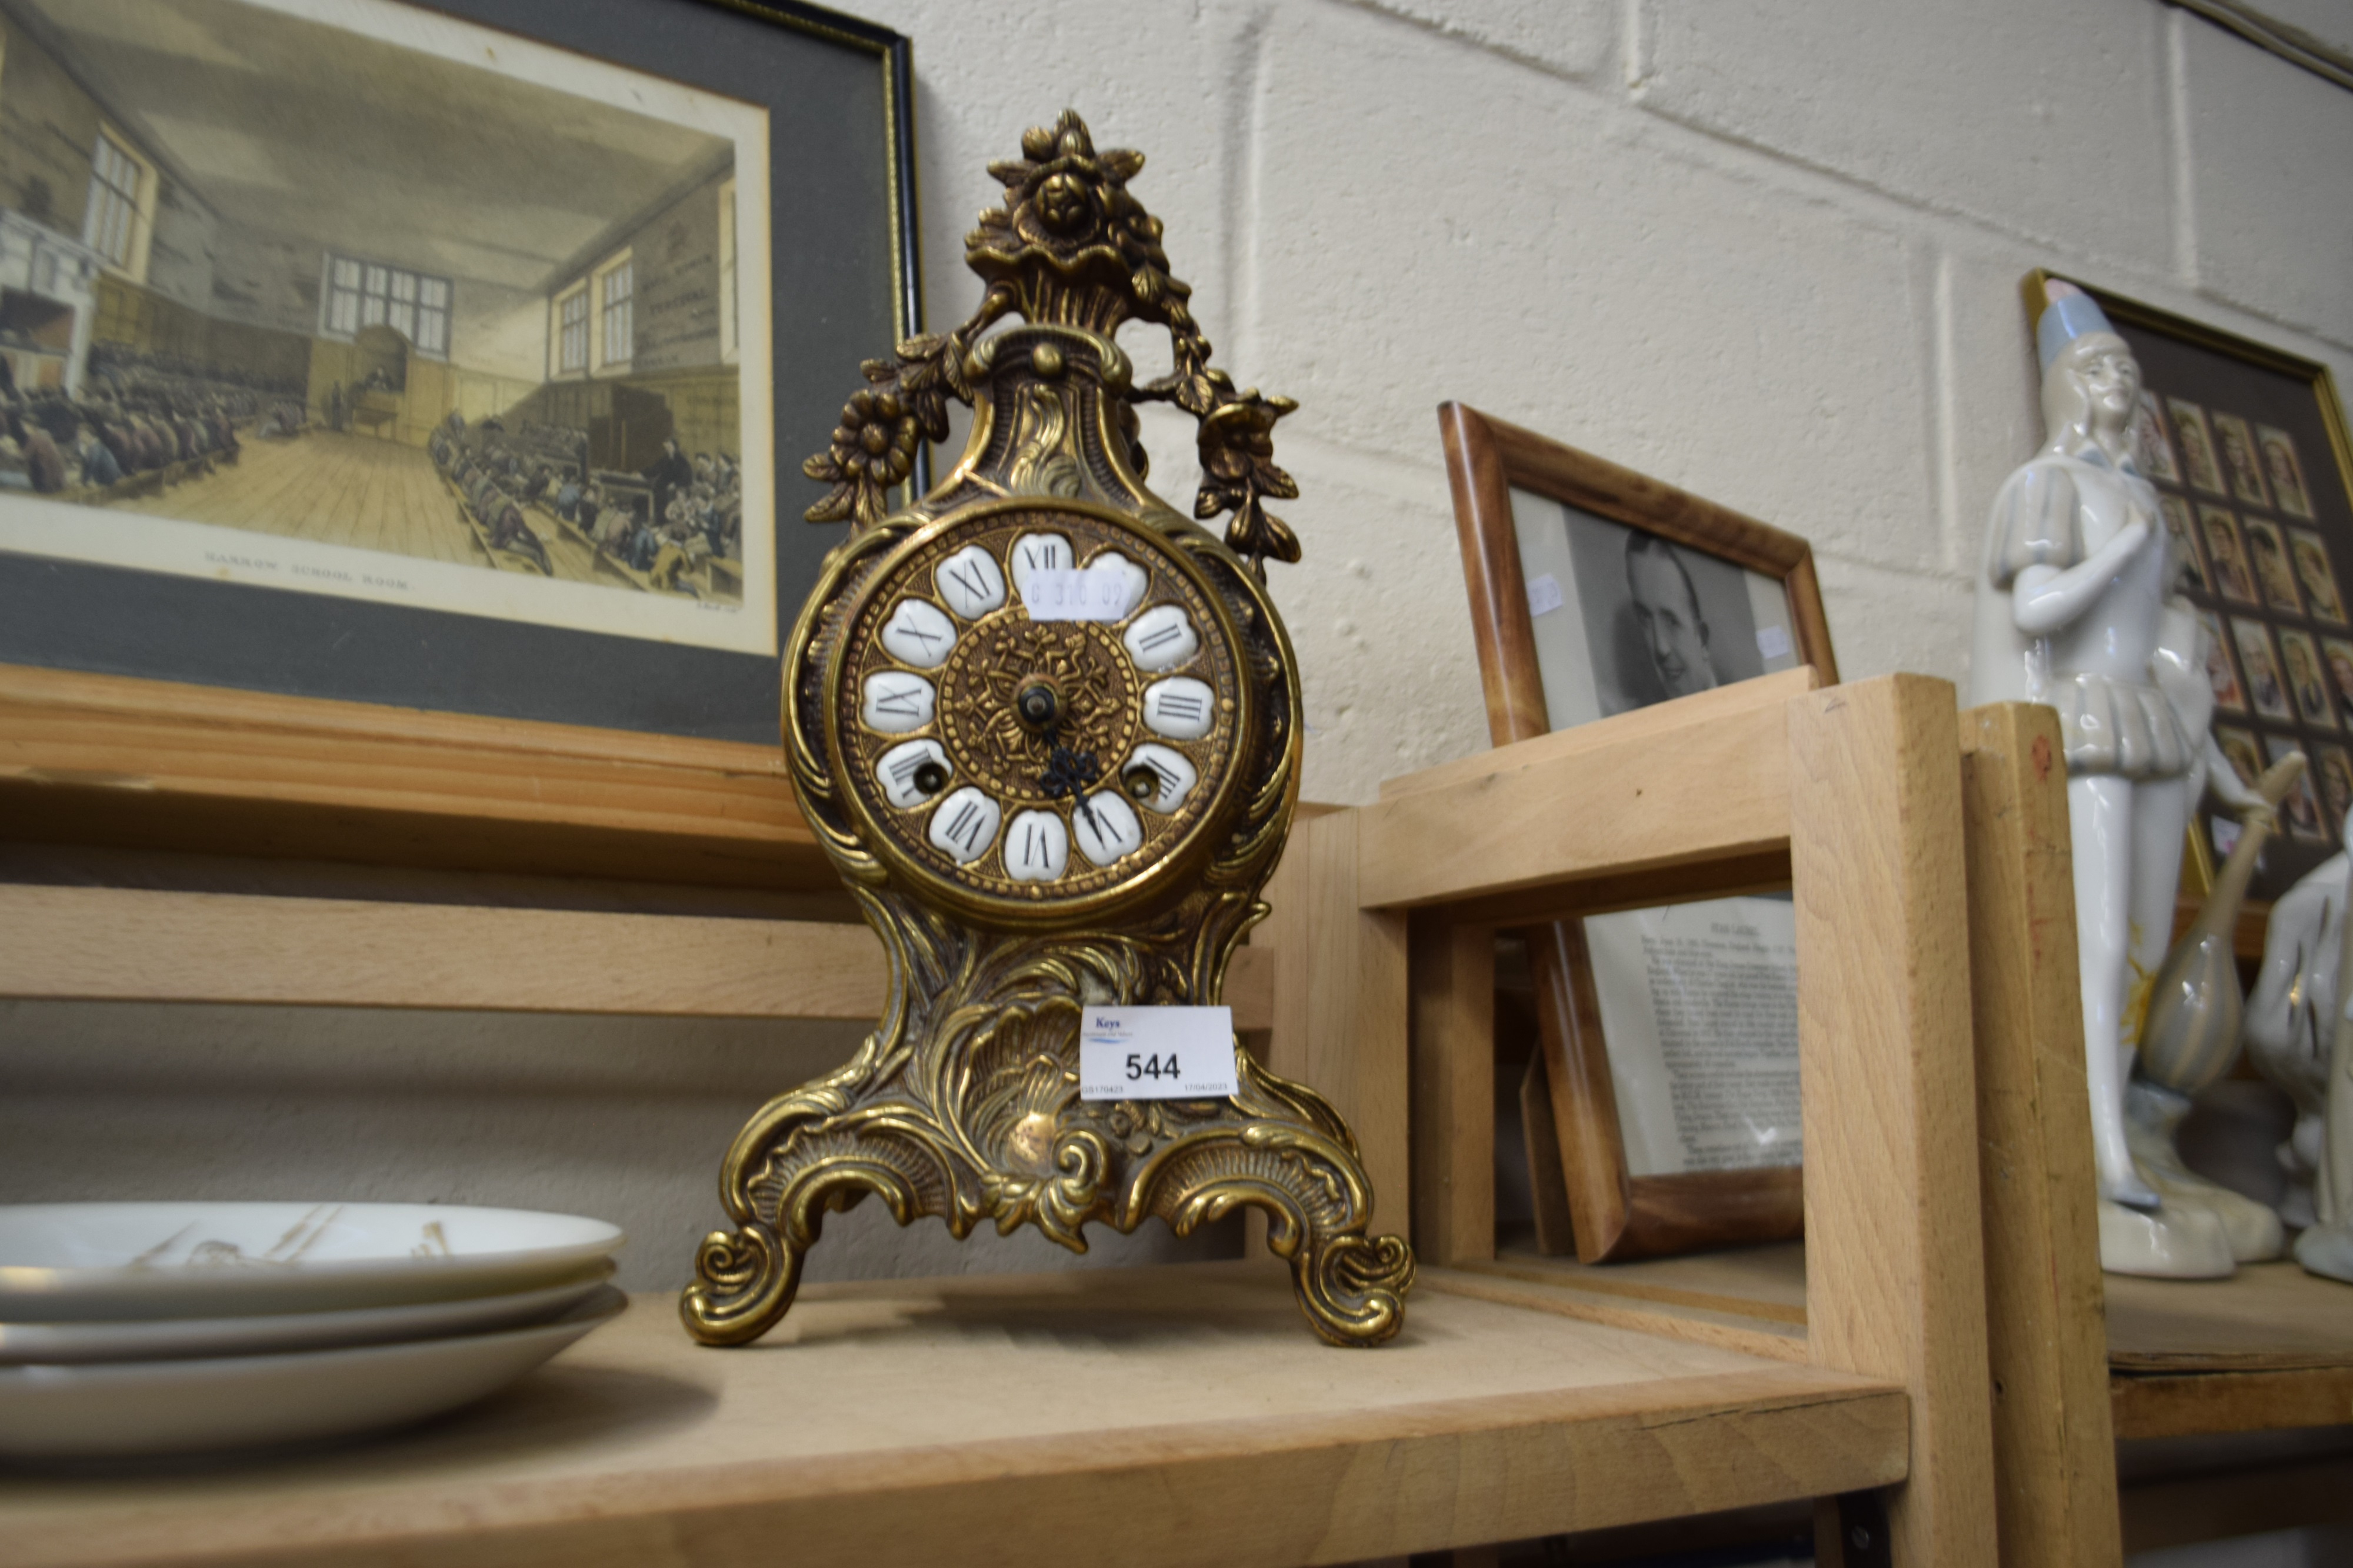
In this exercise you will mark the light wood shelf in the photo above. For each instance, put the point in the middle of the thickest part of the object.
(1189, 1413)
(132, 944)
(155, 764)
(2079, 1361)
(1849, 796)
(1181, 1411)
(2268, 1349)
(2272, 1347)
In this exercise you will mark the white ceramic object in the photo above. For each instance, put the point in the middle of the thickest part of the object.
(2326, 1244)
(2195, 1018)
(71, 1262)
(161, 1339)
(2076, 609)
(2326, 1248)
(2288, 1026)
(153, 1407)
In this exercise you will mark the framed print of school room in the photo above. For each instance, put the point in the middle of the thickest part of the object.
(446, 360)
(1669, 1033)
(2248, 451)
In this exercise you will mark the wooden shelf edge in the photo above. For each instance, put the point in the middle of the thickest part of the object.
(119, 944)
(641, 1447)
(2182, 1404)
(157, 764)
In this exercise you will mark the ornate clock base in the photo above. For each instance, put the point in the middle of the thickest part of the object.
(1276, 1145)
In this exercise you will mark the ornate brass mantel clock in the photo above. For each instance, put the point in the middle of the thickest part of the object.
(1040, 813)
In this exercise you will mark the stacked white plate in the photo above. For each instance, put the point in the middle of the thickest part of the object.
(182, 1328)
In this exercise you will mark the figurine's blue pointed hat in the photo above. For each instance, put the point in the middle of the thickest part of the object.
(2069, 315)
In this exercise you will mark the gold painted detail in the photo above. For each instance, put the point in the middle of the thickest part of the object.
(1070, 247)
(1082, 662)
(983, 1123)
(1045, 457)
(963, 1104)
(978, 727)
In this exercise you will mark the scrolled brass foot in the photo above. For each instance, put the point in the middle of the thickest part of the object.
(1353, 1286)
(743, 1281)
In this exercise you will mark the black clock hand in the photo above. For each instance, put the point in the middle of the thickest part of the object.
(1068, 773)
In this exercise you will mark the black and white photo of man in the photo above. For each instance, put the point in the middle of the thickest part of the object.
(1624, 617)
(1666, 611)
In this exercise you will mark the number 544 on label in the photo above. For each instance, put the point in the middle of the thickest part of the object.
(1157, 1053)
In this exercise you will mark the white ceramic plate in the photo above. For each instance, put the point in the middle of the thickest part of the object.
(159, 1338)
(71, 1262)
(148, 1407)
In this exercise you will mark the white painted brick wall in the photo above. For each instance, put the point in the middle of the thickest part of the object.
(1766, 252)
(1769, 253)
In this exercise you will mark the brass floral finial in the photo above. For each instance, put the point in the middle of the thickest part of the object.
(1070, 246)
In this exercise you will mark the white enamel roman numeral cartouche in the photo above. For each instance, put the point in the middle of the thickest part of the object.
(1048, 702)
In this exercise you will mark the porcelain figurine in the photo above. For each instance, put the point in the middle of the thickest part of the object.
(2295, 1033)
(2325, 1248)
(2195, 1014)
(2073, 591)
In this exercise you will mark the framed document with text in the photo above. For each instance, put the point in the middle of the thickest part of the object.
(1669, 1033)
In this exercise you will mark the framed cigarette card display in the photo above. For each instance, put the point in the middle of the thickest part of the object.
(1669, 1034)
(450, 358)
(2248, 449)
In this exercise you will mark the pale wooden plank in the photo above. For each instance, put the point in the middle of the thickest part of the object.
(1250, 988)
(1767, 1282)
(120, 944)
(1453, 1107)
(109, 759)
(1684, 793)
(125, 945)
(1340, 1001)
(901, 1422)
(2203, 1404)
(2266, 1317)
(1896, 1276)
(2054, 1450)
(1494, 1280)
(28, 692)
(1663, 718)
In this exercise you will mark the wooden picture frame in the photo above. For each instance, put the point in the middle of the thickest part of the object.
(1615, 1214)
(2287, 600)
(756, 124)
(226, 716)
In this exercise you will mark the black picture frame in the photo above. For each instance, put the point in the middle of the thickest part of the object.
(841, 170)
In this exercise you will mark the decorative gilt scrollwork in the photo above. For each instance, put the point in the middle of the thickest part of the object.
(1069, 247)
(963, 1104)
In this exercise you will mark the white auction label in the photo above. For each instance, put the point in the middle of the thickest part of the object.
(1067, 593)
(1157, 1053)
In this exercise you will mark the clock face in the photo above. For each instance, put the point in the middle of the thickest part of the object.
(1037, 705)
